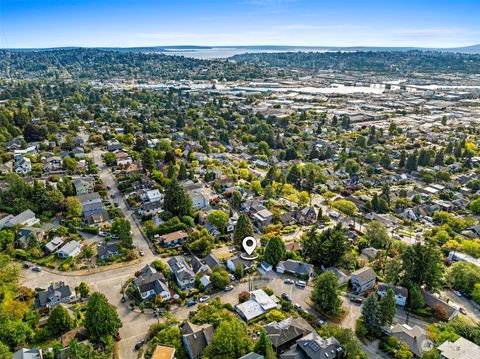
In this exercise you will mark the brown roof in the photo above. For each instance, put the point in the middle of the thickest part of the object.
(170, 237)
(365, 274)
(162, 352)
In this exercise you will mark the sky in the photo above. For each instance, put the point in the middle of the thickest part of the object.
(127, 23)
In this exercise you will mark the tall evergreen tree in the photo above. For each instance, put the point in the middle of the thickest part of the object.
(387, 308)
(275, 250)
(177, 200)
(243, 229)
(101, 318)
(370, 314)
(264, 346)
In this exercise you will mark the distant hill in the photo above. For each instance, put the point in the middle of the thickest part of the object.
(473, 49)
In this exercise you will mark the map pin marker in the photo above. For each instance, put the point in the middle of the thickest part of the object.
(249, 244)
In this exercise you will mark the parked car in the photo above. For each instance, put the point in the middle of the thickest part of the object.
(457, 293)
(301, 283)
(228, 288)
(26, 265)
(142, 253)
(286, 297)
(191, 303)
(139, 344)
(39, 289)
(232, 277)
(288, 281)
(36, 269)
(356, 300)
(320, 322)
(204, 299)
(463, 311)
(297, 306)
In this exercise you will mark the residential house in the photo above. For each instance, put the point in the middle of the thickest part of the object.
(196, 338)
(258, 304)
(307, 216)
(152, 195)
(26, 218)
(53, 245)
(25, 353)
(151, 283)
(211, 261)
(37, 234)
(84, 185)
(55, 294)
(108, 250)
(284, 333)
(70, 250)
(363, 279)
(262, 218)
(93, 209)
(173, 239)
(23, 165)
(401, 293)
(232, 262)
(313, 346)
(197, 265)
(297, 268)
(415, 337)
(432, 300)
(460, 349)
(122, 158)
(252, 355)
(153, 208)
(183, 273)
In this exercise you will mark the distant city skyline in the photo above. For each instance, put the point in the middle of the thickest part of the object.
(127, 23)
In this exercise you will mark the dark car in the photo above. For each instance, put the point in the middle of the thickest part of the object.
(356, 300)
(39, 289)
(191, 303)
(36, 269)
(286, 297)
(139, 344)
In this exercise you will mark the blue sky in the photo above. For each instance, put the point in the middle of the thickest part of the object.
(51, 23)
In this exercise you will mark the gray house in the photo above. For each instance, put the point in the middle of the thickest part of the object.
(55, 294)
(195, 338)
(183, 273)
(363, 279)
(295, 267)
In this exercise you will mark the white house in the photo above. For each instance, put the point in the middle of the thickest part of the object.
(401, 293)
(70, 250)
(26, 218)
(23, 166)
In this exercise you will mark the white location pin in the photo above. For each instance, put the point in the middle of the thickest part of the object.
(249, 244)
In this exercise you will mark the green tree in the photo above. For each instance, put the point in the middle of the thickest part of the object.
(220, 278)
(415, 298)
(387, 308)
(101, 318)
(69, 164)
(83, 290)
(230, 341)
(325, 294)
(327, 247)
(5, 352)
(463, 276)
(182, 172)
(264, 347)
(275, 250)
(73, 207)
(219, 219)
(148, 159)
(177, 201)
(376, 233)
(122, 228)
(201, 242)
(243, 229)
(346, 207)
(59, 321)
(411, 164)
(351, 167)
(475, 206)
(370, 314)
(422, 265)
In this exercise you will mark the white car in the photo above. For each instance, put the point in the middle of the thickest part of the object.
(457, 293)
(301, 283)
(297, 306)
(228, 288)
(142, 253)
(204, 299)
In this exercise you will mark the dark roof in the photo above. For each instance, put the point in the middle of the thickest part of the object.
(43, 298)
(383, 287)
(197, 337)
(296, 266)
(287, 330)
(312, 346)
(211, 261)
(108, 249)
